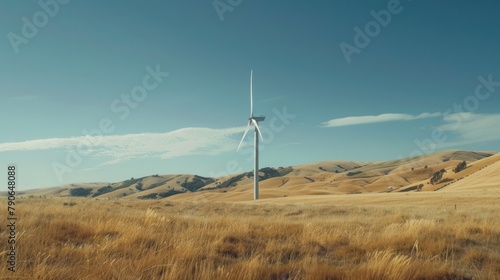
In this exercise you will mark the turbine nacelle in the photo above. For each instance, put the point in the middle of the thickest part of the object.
(257, 119)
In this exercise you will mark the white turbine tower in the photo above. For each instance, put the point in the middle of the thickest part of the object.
(255, 121)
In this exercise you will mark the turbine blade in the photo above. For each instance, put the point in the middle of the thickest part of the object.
(251, 94)
(244, 134)
(256, 124)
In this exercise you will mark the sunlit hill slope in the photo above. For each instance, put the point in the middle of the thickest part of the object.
(324, 178)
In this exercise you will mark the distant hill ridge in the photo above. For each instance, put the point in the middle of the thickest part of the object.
(330, 177)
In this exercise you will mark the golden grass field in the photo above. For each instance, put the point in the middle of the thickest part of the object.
(416, 235)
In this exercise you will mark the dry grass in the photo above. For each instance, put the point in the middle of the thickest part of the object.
(125, 239)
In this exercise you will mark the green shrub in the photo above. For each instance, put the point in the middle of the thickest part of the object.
(352, 173)
(461, 166)
(103, 190)
(149, 196)
(80, 192)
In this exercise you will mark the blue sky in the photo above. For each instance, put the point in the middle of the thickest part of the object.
(108, 90)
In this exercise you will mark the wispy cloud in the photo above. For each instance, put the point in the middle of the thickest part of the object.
(470, 128)
(347, 121)
(118, 148)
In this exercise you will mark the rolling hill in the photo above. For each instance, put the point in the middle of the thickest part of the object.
(323, 178)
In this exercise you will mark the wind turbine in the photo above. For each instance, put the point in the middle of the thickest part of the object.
(255, 122)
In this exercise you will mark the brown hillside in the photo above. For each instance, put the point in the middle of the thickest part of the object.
(322, 178)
